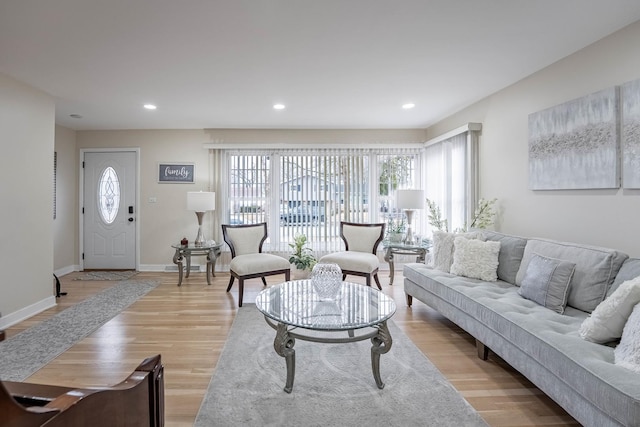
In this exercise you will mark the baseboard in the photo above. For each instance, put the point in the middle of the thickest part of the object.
(26, 312)
(66, 270)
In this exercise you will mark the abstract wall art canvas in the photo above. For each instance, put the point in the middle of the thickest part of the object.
(575, 145)
(630, 138)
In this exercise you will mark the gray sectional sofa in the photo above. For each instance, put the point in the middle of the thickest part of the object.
(542, 344)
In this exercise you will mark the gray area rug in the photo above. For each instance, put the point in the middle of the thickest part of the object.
(31, 349)
(333, 385)
(107, 275)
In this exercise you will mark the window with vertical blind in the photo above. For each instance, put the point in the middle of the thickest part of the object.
(450, 174)
(309, 191)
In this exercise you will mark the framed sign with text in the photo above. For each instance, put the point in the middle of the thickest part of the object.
(176, 173)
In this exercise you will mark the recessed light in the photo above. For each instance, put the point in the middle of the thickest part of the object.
(150, 106)
(408, 106)
(75, 116)
(278, 106)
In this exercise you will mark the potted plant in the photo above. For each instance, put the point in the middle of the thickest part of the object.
(302, 257)
(396, 229)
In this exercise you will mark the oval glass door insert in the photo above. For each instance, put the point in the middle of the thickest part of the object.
(108, 195)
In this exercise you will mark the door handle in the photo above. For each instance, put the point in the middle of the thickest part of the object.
(130, 219)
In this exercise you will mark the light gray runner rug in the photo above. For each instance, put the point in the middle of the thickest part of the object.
(333, 385)
(107, 275)
(31, 349)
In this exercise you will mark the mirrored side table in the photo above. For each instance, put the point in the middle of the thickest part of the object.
(211, 250)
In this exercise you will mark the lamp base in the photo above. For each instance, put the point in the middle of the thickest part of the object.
(200, 241)
(409, 238)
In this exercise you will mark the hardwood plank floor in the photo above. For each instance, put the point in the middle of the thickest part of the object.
(188, 326)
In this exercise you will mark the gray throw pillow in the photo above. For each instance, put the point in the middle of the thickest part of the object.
(511, 252)
(546, 282)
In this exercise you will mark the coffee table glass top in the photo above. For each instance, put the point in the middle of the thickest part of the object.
(296, 303)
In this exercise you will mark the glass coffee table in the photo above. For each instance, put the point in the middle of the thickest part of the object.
(359, 312)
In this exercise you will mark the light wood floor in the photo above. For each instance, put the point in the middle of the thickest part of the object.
(188, 326)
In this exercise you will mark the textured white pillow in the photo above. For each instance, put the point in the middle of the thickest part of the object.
(443, 248)
(607, 320)
(627, 353)
(475, 259)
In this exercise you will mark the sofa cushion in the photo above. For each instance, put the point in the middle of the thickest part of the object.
(630, 270)
(443, 248)
(546, 282)
(608, 319)
(511, 251)
(596, 268)
(627, 353)
(475, 259)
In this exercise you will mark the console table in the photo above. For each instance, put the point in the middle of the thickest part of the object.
(212, 251)
(399, 248)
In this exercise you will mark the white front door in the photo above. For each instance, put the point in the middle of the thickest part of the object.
(109, 219)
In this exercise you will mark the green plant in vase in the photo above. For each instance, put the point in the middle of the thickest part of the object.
(302, 256)
(396, 229)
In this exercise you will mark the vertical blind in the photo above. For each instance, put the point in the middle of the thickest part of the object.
(309, 191)
(446, 179)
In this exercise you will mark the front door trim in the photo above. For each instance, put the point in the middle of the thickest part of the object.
(81, 199)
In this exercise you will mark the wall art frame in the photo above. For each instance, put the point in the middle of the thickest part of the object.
(575, 145)
(630, 134)
(176, 173)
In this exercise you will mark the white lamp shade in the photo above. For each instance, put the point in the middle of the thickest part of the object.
(410, 199)
(201, 201)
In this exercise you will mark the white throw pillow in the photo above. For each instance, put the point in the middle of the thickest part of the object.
(443, 248)
(608, 319)
(627, 353)
(475, 259)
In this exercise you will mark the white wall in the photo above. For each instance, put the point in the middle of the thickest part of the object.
(599, 217)
(26, 191)
(166, 221)
(65, 226)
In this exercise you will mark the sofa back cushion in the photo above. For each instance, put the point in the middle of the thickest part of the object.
(511, 252)
(630, 270)
(596, 268)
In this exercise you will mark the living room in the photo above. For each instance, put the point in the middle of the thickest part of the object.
(31, 135)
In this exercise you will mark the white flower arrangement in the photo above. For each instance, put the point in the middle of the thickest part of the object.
(483, 216)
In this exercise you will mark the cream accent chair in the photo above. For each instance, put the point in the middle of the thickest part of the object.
(247, 259)
(359, 258)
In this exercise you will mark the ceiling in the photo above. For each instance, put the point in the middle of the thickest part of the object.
(335, 64)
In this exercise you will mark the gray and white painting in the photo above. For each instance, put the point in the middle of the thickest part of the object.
(631, 134)
(575, 145)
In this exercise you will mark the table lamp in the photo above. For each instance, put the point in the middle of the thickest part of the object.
(409, 201)
(200, 202)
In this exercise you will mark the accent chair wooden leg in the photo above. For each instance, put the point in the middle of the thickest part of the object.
(409, 300)
(483, 350)
(240, 291)
(375, 277)
(230, 283)
(264, 281)
(368, 282)
(287, 276)
(2, 335)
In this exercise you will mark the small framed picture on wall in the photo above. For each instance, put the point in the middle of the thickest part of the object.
(176, 173)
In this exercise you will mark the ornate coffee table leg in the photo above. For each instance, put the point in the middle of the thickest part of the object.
(283, 344)
(177, 259)
(381, 345)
